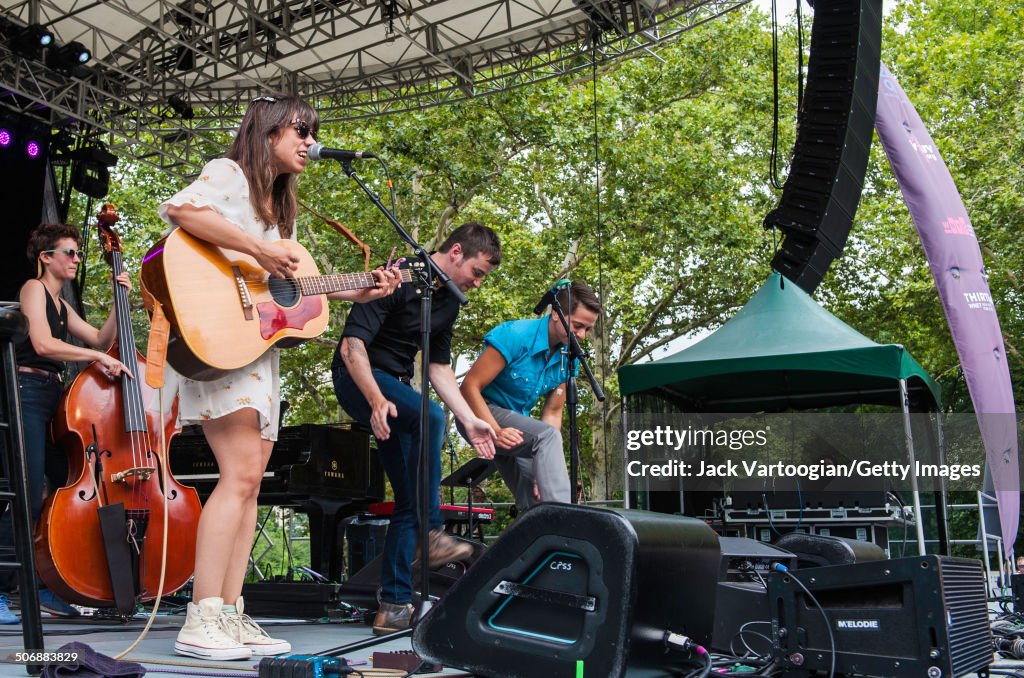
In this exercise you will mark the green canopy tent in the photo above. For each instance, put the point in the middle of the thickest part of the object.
(783, 351)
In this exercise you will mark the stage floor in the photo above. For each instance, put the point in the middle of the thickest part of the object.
(156, 651)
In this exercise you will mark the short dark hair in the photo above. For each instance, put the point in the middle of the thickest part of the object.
(46, 236)
(581, 294)
(476, 239)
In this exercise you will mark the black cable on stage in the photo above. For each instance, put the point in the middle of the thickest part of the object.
(779, 567)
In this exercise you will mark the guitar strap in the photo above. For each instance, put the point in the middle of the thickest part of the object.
(341, 228)
(159, 335)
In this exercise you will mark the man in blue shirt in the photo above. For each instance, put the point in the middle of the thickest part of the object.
(522, 361)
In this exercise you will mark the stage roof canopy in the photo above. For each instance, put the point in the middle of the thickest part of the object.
(782, 351)
(166, 74)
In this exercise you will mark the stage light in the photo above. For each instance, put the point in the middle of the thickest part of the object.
(30, 40)
(181, 107)
(33, 149)
(89, 173)
(67, 57)
(5, 138)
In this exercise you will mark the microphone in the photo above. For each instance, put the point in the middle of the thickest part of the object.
(319, 152)
(549, 296)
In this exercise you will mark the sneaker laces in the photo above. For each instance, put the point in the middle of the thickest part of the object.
(214, 626)
(250, 625)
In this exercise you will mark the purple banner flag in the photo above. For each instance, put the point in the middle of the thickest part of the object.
(954, 257)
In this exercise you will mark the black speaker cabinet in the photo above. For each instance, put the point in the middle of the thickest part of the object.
(817, 550)
(1017, 586)
(909, 617)
(570, 584)
(834, 131)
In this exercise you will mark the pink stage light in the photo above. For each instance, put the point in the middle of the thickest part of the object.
(32, 149)
(5, 138)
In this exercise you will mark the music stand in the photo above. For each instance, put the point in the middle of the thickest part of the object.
(469, 475)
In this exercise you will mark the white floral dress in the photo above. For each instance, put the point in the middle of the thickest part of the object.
(222, 187)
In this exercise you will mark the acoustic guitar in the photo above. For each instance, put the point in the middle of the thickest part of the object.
(224, 309)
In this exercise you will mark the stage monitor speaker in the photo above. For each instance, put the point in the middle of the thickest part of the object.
(908, 617)
(568, 585)
(833, 139)
(817, 550)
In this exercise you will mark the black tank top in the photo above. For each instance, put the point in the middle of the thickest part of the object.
(58, 321)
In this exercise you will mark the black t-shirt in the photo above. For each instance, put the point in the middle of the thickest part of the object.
(390, 328)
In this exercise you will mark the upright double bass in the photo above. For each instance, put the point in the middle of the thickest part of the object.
(118, 476)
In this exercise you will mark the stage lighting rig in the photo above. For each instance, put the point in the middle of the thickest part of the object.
(30, 40)
(67, 58)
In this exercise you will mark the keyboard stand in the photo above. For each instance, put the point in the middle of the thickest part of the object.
(469, 475)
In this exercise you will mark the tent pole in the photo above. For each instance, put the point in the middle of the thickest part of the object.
(916, 492)
(625, 456)
(942, 498)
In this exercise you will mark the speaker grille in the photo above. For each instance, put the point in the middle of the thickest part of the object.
(970, 636)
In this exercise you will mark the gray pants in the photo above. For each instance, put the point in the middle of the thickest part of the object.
(539, 457)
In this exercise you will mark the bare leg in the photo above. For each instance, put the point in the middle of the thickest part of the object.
(229, 517)
(238, 562)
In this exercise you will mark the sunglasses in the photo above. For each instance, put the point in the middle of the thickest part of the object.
(302, 128)
(69, 251)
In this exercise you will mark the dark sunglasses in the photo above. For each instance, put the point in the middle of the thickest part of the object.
(302, 128)
(69, 251)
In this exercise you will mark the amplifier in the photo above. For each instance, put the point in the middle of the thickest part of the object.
(909, 617)
(742, 557)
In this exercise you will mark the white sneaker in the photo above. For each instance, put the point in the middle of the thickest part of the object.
(247, 632)
(204, 634)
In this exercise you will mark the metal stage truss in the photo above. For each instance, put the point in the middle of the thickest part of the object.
(166, 79)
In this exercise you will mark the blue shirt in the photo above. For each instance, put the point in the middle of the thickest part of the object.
(529, 373)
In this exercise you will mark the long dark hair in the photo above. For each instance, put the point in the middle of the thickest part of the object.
(254, 154)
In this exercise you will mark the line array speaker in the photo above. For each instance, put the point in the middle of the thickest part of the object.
(834, 131)
(569, 584)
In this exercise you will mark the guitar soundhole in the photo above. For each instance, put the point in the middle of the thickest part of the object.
(284, 291)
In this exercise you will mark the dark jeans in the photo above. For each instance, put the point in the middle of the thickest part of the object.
(39, 400)
(399, 455)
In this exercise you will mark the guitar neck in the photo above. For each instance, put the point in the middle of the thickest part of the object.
(339, 282)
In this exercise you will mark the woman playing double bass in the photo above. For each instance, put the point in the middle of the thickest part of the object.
(55, 250)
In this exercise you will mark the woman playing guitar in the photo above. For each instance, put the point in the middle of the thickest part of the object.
(244, 202)
(55, 250)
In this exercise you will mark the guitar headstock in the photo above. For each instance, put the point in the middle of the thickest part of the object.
(411, 273)
(109, 240)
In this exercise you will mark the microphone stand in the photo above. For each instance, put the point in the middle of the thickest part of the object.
(576, 353)
(430, 272)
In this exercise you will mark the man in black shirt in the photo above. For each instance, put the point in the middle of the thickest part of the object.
(372, 371)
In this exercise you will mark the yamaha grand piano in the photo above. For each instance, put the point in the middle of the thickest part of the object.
(327, 471)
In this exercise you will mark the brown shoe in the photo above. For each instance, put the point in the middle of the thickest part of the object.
(444, 549)
(393, 617)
